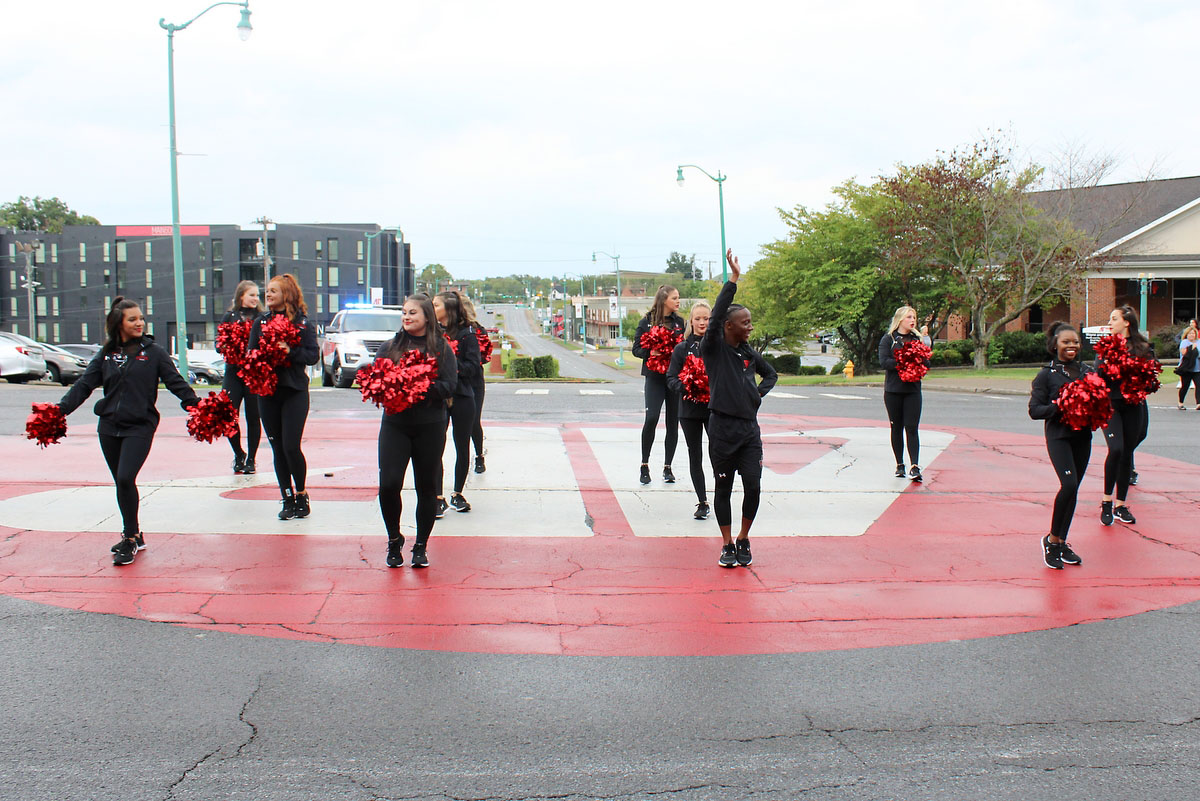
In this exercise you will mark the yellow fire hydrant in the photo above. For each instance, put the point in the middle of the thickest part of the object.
(848, 370)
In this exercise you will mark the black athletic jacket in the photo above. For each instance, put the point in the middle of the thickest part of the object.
(672, 321)
(293, 375)
(232, 380)
(432, 408)
(687, 409)
(732, 388)
(130, 377)
(469, 369)
(1046, 386)
(887, 360)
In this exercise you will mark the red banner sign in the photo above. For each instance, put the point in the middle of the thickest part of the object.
(161, 230)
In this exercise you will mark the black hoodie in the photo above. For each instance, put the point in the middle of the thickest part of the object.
(467, 358)
(732, 388)
(687, 409)
(1047, 384)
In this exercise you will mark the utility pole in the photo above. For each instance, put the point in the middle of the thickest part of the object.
(710, 263)
(30, 281)
(264, 221)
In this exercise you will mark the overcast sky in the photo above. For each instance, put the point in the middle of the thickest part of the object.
(508, 137)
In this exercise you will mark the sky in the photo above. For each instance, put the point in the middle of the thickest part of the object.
(519, 137)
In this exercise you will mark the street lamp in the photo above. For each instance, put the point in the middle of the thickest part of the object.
(243, 29)
(720, 179)
(370, 238)
(29, 280)
(620, 313)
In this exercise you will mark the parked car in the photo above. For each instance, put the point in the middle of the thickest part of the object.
(210, 373)
(192, 378)
(62, 367)
(20, 361)
(84, 351)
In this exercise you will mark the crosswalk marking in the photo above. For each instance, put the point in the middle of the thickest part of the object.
(533, 392)
(843, 397)
(595, 392)
(776, 394)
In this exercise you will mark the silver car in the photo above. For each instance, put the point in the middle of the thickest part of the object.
(62, 367)
(19, 360)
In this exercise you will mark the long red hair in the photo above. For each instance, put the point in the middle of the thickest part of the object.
(293, 298)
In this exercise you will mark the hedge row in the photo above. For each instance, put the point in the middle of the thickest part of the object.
(539, 367)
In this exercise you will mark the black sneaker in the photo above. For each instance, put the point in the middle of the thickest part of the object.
(1052, 553)
(419, 559)
(480, 467)
(125, 552)
(728, 556)
(914, 473)
(141, 543)
(239, 464)
(459, 503)
(1106, 513)
(900, 471)
(743, 552)
(645, 476)
(1133, 478)
(440, 511)
(289, 508)
(395, 554)
(701, 511)
(668, 475)
(1123, 514)
(302, 507)
(1068, 556)
(248, 468)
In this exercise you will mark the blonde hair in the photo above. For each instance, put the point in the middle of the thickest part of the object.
(700, 304)
(900, 314)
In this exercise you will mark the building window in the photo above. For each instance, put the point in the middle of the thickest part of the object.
(320, 304)
(204, 304)
(333, 275)
(41, 327)
(150, 328)
(210, 331)
(12, 251)
(82, 278)
(83, 331)
(54, 252)
(122, 251)
(12, 278)
(54, 306)
(14, 307)
(83, 302)
(218, 251)
(218, 278)
(320, 277)
(361, 277)
(107, 303)
(1185, 303)
(82, 252)
(57, 332)
(107, 277)
(201, 250)
(360, 244)
(41, 305)
(149, 305)
(40, 257)
(333, 304)
(148, 250)
(107, 251)
(295, 250)
(149, 278)
(333, 250)
(203, 277)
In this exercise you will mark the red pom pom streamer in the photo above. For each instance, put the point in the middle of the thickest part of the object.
(47, 424)
(258, 375)
(453, 344)
(663, 340)
(1112, 352)
(213, 418)
(277, 336)
(1084, 403)
(1136, 376)
(910, 360)
(694, 378)
(232, 339)
(485, 345)
(396, 385)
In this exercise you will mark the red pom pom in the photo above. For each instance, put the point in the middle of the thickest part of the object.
(1136, 376)
(276, 337)
(453, 344)
(910, 360)
(1084, 403)
(485, 345)
(232, 339)
(694, 378)
(47, 424)
(395, 386)
(213, 417)
(664, 340)
(258, 374)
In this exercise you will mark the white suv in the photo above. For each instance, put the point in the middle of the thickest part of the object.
(351, 339)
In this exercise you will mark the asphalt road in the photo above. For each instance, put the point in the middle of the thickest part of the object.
(570, 365)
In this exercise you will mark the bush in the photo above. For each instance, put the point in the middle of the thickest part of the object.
(787, 363)
(1017, 347)
(838, 368)
(965, 348)
(947, 357)
(521, 367)
(1165, 341)
(773, 361)
(810, 369)
(545, 367)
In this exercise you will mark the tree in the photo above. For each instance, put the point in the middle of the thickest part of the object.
(684, 266)
(433, 276)
(38, 214)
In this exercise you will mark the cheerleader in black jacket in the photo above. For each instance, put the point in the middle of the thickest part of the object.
(734, 440)
(478, 385)
(245, 308)
(1128, 425)
(657, 393)
(902, 399)
(129, 367)
(450, 316)
(693, 417)
(285, 411)
(417, 434)
(1069, 449)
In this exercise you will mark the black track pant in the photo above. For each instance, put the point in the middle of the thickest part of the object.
(1194, 380)
(477, 430)
(735, 446)
(125, 457)
(462, 415)
(658, 393)
(283, 418)
(1070, 459)
(1125, 431)
(904, 413)
(693, 434)
(242, 397)
(422, 444)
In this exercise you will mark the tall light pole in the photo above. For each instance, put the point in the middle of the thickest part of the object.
(30, 281)
(370, 238)
(720, 179)
(620, 312)
(244, 30)
(582, 309)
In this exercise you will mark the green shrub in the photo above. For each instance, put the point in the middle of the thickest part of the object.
(965, 347)
(521, 367)
(788, 363)
(810, 369)
(947, 357)
(838, 368)
(1017, 347)
(1165, 341)
(545, 367)
(773, 361)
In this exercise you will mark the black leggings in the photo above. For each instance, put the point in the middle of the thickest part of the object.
(693, 432)
(1070, 459)
(658, 393)
(735, 446)
(1125, 431)
(904, 413)
(283, 417)
(422, 444)
(242, 397)
(462, 414)
(1194, 380)
(125, 457)
(477, 430)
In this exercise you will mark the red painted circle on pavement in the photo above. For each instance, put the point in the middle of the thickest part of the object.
(957, 557)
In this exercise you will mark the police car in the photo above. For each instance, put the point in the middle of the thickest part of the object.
(351, 339)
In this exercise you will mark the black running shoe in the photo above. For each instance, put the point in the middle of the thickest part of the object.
(141, 543)
(419, 559)
(1052, 553)
(289, 508)
(302, 507)
(395, 554)
(668, 475)
(1132, 478)
(440, 511)
(701, 511)
(1106, 513)
(743, 552)
(126, 551)
(239, 464)
(900, 471)
(480, 467)
(459, 503)
(249, 467)
(1123, 514)
(1068, 556)
(914, 473)
(645, 476)
(728, 556)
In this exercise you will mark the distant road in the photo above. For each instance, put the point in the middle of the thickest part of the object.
(570, 364)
